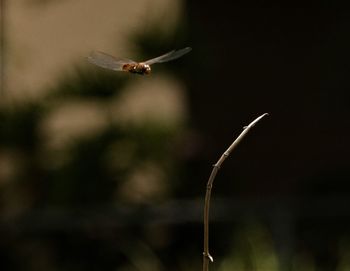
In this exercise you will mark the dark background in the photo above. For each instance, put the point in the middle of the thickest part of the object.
(280, 201)
(292, 63)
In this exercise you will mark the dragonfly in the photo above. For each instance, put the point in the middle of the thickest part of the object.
(109, 62)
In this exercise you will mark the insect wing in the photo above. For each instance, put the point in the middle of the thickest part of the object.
(168, 56)
(107, 61)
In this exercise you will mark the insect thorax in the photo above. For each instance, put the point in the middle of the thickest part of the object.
(139, 68)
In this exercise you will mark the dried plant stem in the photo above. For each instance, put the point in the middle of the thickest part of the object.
(206, 255)
(2, 46)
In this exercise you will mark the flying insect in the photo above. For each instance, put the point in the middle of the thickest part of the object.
(109, 62)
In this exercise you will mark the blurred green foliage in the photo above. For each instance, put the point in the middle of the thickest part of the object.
(96, 200)
(58, 201)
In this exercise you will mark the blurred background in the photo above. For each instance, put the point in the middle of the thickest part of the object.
(102, 170)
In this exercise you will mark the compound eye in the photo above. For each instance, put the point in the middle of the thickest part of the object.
(147, 69)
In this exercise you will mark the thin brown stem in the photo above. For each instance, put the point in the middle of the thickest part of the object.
(206, 255)
(2, 46)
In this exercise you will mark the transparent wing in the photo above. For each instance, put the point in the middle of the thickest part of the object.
(168, 56)
(107, 61)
